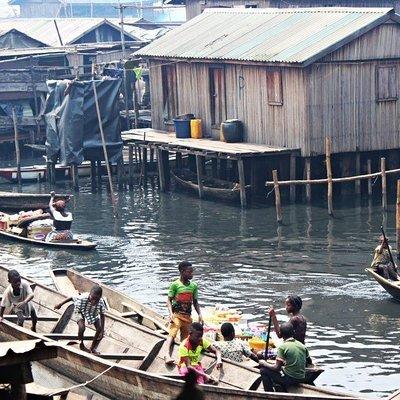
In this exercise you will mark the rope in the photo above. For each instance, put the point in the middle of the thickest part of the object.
(270, 192)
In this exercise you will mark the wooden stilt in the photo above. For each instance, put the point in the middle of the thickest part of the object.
(151, 156)
(199, 167)
(120, 174)
(292, 177)
(223, 163)
(130, 161)
(178, 160)
(329, 174)
(17, 151)
(278, 205)
(357, 183)
(161, 172)
(214, 167)
(74, 176)
(369, 171)
(49, 171)
(253, 174)
(308, 177)
(242, 183)
(398, 219)
(93, 175)
(144, 163)
(166, 169)
(99, 170)
(384, 192)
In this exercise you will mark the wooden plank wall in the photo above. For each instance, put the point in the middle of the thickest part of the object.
(156, 93)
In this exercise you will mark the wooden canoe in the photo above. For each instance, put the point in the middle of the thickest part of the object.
(26, 201)
(212, 188)
(131, 364)
(73, 245)
(70, 282)
(392, 287)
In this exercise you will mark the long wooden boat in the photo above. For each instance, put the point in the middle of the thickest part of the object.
(131, 364)
(212, 188)
(26, 201)
(70, 282)
(392, 287)
(72, 245)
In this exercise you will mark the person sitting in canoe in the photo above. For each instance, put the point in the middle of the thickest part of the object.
(232, 348)
(62, 221)
(18, 296)
(190, 351)
(293, 306)
(89, 307)
(381, 264)
(290, 364)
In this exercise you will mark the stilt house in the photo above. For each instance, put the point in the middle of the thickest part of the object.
(293, 76)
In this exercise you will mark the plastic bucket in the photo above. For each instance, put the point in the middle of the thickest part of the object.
(182, 128)
(195, 129)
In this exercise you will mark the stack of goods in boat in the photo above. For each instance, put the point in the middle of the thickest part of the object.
(253, 332)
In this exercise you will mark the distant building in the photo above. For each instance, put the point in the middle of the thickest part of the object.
(196, 7)
(92, 9)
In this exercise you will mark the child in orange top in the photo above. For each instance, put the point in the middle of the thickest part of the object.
(190, 351)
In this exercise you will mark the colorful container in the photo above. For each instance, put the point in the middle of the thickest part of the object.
(195, 129)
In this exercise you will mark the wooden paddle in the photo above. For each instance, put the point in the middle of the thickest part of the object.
(388, 247)
(267, 340)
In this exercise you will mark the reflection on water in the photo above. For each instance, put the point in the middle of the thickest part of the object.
(243, 259)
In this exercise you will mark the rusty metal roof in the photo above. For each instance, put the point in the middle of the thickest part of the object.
(294, 36)
(44, 29)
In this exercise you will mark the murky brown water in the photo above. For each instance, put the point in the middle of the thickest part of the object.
(244, 260)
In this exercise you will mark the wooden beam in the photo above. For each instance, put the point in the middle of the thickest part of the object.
(13, 317)
(292, 176)
(121, 356)
(357, 183)
(242, 183)
(199, 167)
(328, 146)
(308, 178)
(384, 190)
(66, 336)
(64, 319)
(151, 356)
(369, 171)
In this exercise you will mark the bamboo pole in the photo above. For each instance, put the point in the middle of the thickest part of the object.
(384, 191)
(278, 205)
(329, 174)
(369, 171)
(17, 151)
(398, 219)
(96, 100)
(243, 200)
(334, 180)
(308, 178)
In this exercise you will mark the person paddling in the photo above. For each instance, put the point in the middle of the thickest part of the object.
(382, 264)
(293, 304)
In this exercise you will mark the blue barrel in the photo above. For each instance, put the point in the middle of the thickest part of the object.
(182, 126)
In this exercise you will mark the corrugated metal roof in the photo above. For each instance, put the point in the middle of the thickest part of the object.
(44, 29)
(294, 35)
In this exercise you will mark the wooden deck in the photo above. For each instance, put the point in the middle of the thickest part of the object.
(204, 147)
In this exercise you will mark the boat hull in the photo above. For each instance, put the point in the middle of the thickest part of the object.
(390, 286)
(26, 201)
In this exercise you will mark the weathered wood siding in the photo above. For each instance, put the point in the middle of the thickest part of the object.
(246, 99)
(343, 105)
(380, 43)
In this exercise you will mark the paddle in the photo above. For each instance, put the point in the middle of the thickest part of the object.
(267, 340)
(388, 247)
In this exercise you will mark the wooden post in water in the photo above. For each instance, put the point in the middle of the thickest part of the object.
(292, 176)
(398, 219)
(278, 205)
(329, 174)
(384, 192)
(308, 177)
(99, 171)
(161, 171)
(144, 163)
(199, 167)
(214, 167)
(130, 158)
(74, 176)
(242, 183)
(178, 160)
(17, 152)
(357, 182)
(369, 171)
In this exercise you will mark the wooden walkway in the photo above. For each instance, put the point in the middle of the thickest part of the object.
(203, 147)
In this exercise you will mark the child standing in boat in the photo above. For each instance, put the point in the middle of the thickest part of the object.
(181, 295)
(18, 297)
(89, 308)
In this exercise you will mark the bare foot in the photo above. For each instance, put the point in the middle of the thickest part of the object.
(169, 360)
(84, 348)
